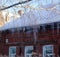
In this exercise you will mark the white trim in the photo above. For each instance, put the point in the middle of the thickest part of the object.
(26, 49)
(47, 47)
(10, 51)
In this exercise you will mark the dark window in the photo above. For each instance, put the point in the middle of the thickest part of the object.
(7, 31)
(48, 27)
(28, 29)
(55, 25)
(59, 26)
(41, 28)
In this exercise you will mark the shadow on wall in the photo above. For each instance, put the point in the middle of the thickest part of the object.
(20, 56)
(8, 56)
(40, 55)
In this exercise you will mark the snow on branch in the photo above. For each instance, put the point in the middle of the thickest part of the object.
(14, 5)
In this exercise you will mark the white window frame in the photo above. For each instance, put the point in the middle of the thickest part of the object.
(45, 48)
(26, 49)
(10, 51)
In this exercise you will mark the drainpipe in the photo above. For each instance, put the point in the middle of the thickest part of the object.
(35, 37)
(35, 34)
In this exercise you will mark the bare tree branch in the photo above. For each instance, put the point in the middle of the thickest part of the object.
(14, 5)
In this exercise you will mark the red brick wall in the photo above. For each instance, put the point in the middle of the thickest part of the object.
(25, 38)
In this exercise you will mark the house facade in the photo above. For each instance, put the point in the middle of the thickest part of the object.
(41, 40)
(35, 34)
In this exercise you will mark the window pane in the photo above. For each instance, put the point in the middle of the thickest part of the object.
(13, 50)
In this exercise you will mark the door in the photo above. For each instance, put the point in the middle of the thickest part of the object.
(28, 51)
(12, 51)
(48, 51)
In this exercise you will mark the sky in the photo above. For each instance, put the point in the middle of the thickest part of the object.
(34, 3)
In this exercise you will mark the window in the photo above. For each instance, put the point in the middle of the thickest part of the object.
(48, 51)
(28, 51)
(12, 51)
